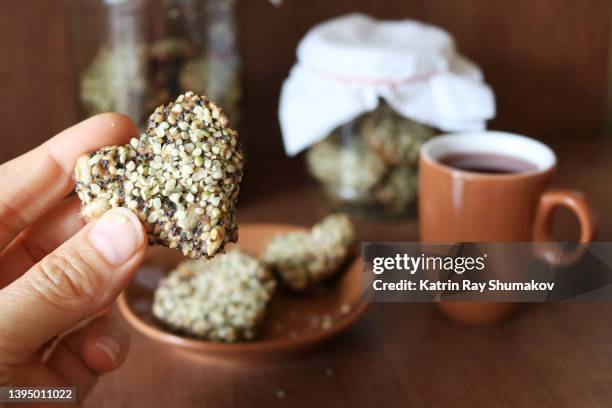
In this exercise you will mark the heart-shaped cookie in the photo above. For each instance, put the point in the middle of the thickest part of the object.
(303, 259)
(181, 177)
(224, 299)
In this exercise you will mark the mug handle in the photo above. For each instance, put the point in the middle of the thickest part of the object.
(576, 202)
(542, 232)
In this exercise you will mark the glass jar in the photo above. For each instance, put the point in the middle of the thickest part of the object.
(369, 165)
(133, 55)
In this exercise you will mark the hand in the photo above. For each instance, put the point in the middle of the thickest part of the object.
(55, 271)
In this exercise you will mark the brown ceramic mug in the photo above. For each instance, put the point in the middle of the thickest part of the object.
(460, 204)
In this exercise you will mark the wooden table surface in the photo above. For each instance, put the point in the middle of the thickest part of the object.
(549, 355)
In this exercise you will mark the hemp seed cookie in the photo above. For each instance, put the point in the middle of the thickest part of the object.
(334, 230)
(303, 259)
(181, 177)
(396, 139)
(115, 81)
(120, 77)
(352, 169)
(399, 189)
(223, 299)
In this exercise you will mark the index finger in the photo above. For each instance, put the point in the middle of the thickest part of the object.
(33, 183)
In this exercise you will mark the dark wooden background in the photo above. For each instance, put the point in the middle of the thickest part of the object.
(547, 61)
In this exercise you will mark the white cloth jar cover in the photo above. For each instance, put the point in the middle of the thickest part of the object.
(347, 64)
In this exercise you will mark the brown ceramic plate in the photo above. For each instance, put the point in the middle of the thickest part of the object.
(295, 323)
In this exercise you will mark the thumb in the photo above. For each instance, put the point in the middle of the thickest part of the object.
(80, 278)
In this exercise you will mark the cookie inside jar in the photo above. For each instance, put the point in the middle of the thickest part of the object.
(369, 166)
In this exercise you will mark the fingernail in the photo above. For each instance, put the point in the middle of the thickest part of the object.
(109, 346)
(117, 235)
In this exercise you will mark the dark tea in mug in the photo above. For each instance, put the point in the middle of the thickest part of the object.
(490, 163)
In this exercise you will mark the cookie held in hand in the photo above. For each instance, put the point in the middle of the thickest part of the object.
(181, 177)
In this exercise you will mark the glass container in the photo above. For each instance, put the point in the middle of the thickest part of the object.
(133, 55)
(369, 166)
